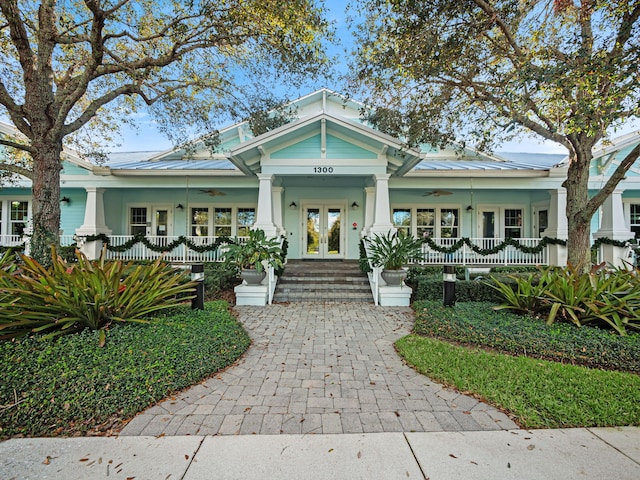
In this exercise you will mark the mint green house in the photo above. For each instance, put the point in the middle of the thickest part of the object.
(324, 181)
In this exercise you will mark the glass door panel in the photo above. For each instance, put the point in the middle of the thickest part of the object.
(161, 222)
(333, 236)
(312, 236)
(323, 235)
(489, 227)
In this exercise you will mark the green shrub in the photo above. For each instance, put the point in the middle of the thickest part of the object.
(218, 277)
(67, 298)
(70, 386)
(599, 297)
(431, 288)
(478, 324)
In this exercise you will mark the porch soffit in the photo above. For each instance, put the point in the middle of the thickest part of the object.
(249, 156)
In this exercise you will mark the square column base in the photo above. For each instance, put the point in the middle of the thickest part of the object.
(617, 257)
(256, 295)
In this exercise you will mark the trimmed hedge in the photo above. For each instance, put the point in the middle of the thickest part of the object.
(70, 385)
(427, 283)
(219, 276)
(476, 323)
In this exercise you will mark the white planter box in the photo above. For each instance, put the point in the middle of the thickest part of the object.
(251, 294)
(394, 296)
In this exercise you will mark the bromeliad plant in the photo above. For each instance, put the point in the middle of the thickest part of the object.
(393, 250)
(599, 297)
(256, 252)
(69, 297)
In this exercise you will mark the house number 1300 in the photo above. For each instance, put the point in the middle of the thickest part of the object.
(322, 169)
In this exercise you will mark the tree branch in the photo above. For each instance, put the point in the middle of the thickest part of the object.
(18, 32)
(16, 145)
(9, 167)
(610, 185)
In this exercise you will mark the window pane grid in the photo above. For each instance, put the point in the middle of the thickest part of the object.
(246, 217)
(425, 222)
(513, 223)
(200, 222)
(402, 219)
(449, 222)
(222, 222)
(17, 215)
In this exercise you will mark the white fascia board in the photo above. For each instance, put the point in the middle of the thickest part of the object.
(68, 154)
(479, 173)
(176, 173)
(616, 144)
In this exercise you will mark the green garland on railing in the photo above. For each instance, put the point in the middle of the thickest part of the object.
(616, 243)
(181, 240)
(498, 248)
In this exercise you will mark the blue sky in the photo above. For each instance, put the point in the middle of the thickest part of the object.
(149, 138)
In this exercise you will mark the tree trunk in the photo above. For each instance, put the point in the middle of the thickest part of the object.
(578, 219)
(46, 200)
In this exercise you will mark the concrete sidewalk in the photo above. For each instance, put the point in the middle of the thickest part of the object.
(596, 453)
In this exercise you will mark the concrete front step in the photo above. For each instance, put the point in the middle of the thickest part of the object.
(318, 281)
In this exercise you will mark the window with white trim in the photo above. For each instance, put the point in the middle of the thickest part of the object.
(14, 216)
(402, 219)
(449, 222)
(513, 223)
(440, 222)
(221, 221)
(425, 222)
(245, 218)
(18, 217)
(138, 221)
(200, 221)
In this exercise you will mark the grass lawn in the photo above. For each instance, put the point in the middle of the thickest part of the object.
(71, 386)
(539, 393)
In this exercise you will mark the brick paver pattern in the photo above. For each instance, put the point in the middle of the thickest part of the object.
(319, 368)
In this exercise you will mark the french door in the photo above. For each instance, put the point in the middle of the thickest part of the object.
(153, 221)
(323, 231)
(489, 226)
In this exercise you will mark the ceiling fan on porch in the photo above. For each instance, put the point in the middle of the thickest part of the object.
(213, 192)
(436, 193)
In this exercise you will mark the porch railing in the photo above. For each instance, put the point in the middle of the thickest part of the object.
(180, 254)
(510, 255)
(15, 240)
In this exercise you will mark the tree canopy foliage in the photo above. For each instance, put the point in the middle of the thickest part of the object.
(481, 72)
(72, 71)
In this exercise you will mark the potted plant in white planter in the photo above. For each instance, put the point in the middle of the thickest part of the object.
(253, 255)
(393, 251)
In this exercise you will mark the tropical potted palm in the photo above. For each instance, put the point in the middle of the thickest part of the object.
(393, 251)
(252, 255)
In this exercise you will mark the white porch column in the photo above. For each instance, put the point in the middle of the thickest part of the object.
(94, 222)
(370, 199)
(277, 209)
(264, 215)
(382, 214)
(558, 227)
(614, 227)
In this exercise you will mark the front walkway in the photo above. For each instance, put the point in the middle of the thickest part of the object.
(319, 368)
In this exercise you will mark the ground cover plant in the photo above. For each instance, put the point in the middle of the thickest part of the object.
(69, 297)
(476, 323)
(69, 385)
(537, 393)
(504, 358)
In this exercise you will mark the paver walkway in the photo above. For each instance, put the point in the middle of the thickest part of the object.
(319, 368)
